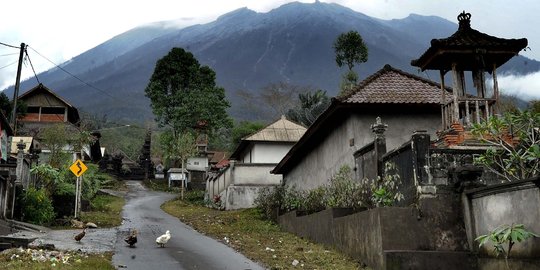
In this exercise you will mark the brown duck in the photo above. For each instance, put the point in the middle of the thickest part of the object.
(80, 236)
(132, 238)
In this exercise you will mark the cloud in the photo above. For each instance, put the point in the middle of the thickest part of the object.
(526, 87)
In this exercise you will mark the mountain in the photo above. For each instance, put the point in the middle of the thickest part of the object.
(248, 50)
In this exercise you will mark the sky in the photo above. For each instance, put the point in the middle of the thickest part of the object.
(58, 30)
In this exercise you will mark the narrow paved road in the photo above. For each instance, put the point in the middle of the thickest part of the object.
(187, 248)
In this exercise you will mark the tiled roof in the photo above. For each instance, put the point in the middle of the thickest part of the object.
(472, 43)
(391, 85)
(282, 130)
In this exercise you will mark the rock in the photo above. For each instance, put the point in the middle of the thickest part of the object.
(295, 262)
(91, 225)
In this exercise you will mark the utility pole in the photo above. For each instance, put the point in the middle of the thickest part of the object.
(16, 92)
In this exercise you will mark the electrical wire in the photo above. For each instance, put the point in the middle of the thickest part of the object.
(8, 54)
(7, 45)
(28, 57)
(74, 76)
(9, 64)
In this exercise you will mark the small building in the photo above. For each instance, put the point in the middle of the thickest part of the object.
(44, 107)
(237, 185)
(406, 102)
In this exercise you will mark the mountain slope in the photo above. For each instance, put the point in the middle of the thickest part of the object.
(248, 50)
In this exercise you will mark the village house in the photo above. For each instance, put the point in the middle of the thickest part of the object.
(405, 102)
(238, 184)
(44, 107)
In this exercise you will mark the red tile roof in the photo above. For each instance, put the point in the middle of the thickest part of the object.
(391, 85)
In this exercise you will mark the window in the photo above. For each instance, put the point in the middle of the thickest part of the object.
(52, 110)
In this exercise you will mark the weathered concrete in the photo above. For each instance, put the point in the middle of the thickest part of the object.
(402, 235)
(511, 203)
(335, 150)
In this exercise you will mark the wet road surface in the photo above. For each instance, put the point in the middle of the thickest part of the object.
(187, 249)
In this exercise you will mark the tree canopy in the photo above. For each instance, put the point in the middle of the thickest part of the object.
(311, 105)
(184, 94)
(350, 49)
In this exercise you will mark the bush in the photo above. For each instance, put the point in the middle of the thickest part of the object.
(36, 207)
(314, 200)
(93, 180)
(195, 197)
(341, 192)
(269, 201)
(293, 199)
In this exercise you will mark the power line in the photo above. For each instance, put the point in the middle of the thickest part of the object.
(28, 56)
(74, 76)
(7, 45)
(8, 54)
(9, 64)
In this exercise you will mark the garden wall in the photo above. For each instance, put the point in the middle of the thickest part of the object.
(516, 202)
(383, 238)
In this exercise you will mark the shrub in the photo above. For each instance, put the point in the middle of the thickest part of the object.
(195, 197)
(314, 200)
(36, 207)
(385, 190)
(292, 199)
(93, 180)
(269, 201)
(342, 191)
(514, 141)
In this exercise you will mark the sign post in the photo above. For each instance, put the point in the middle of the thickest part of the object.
(78, 168)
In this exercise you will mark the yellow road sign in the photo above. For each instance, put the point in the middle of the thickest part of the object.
(78, 168)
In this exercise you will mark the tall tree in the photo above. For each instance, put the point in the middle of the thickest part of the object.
(184, 94)
(350, 49)
(186, 99)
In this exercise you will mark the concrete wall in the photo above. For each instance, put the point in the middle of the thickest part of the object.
(269, 153)
(265, 152)
(214, 186)
(197, 163)
(326, 158)
(239, 197)
(239, 184)
(513, 203)
(255, 174)
(383, 238)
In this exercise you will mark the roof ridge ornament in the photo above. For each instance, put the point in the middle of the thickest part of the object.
(464, 20)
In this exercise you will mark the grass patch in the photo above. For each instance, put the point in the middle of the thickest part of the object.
(258, 239)
(159, 185)
(115, 184)
(9, 260)
(106, 211)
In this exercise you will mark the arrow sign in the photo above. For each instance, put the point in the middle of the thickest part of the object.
(78, 168)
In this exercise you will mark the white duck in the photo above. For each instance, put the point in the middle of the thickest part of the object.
(163, 239)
